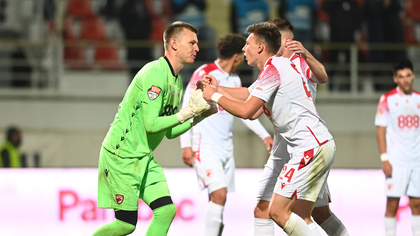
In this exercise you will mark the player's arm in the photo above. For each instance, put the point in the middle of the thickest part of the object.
(381, 139)
(258, 129)
(236, 94)
(319, 74)
(186, 138)
(243, 109)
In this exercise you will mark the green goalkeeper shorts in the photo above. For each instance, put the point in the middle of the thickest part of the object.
(122, 181)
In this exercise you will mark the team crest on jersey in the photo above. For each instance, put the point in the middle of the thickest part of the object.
(153, 92)
(119, 198)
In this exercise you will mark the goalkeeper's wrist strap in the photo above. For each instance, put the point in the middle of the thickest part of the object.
(384, 157)
(216, 96)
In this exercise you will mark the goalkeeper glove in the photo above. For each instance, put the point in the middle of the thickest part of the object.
(213, 109)
(196, 106)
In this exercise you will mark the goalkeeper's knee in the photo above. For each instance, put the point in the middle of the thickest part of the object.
(164, 215)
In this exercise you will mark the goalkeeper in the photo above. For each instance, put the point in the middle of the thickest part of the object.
(127, 168)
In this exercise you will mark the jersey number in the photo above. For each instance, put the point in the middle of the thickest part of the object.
(308, 93)
(408, 121)
(287, 173)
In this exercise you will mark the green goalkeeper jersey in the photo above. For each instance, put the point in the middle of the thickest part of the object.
(147, 112)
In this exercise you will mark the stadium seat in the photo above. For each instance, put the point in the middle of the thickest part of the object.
(322, 16)
(75, 56)
(93, 29)
(80, 8)
(409, 32)
(107, 57)
(412, 10)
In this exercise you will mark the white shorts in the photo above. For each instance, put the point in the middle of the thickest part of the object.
(405, 180)
(305, 175)
(269, 178)
(214, 169)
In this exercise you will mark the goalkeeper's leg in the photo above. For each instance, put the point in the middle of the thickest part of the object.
(157, 197)
(124, 224)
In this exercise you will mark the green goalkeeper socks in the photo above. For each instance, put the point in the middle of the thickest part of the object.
(162, 219)
(115, 228)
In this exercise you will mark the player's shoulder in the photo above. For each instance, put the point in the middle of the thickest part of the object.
(388, 94)
(415, 92)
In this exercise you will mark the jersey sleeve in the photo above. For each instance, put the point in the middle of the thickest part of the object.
(155, 83)
(382, 113)
(257, 128)
(268, 82)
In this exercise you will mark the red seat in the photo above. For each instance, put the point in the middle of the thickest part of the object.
(409, 32)
(322, 15)
(93, 29)
(107, 57)
(75, 56)
(412, 10)
(80, 8)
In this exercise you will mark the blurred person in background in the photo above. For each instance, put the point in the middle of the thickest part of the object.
(193, 12)
(10, 155)
(136, 23)
(398, 136)
(209, 145)
(149, 111)
(344, 22)
(384, 26)
(301, 14)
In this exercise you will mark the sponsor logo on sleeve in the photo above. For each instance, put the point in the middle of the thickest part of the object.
(153, 92)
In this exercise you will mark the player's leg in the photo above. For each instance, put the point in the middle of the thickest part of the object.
(156, 195)
(390, 221)
(263, 224)
(325, 218)
(415, 217)
(281, 213)
(216, 172)
(302, 178)
(214, 212)
(113, 194)
(396, 186)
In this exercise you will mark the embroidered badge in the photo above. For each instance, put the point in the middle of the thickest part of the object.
(119, 198)
(153, 92)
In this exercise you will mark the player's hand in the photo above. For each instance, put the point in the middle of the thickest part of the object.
(296, 47)
(188, 156)
(268, 141)
(387, 168)
(196, 106)
(209, 79)
(213, 109)
(199, 85)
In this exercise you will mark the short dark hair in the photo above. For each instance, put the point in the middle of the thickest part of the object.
(12, 130)
(175, 28)
(229, 45)
(403, 65)
(266, 33)
(282, 25)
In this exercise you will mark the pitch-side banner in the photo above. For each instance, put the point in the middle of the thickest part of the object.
(63, 202)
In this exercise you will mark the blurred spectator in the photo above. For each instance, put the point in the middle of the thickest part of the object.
(384, 26)
(10, 156)
(247, 12)
(193, 12)
(300, 13)
(136, 23)
(344, 22)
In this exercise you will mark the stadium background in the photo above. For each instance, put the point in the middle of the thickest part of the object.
(70, 98)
